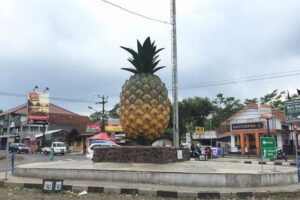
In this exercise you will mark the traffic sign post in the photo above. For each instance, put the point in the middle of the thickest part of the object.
(292, 110)
(267, 149)
(292, 115)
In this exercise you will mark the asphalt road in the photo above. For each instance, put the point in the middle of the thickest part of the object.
(31, 158)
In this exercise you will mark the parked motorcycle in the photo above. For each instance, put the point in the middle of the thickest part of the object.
(195, 152)
(281, 155)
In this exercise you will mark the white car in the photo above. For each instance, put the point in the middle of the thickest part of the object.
(90, 151)
(58, 147)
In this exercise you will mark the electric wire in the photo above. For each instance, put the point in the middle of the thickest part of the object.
(247, 77)
(235, 81)
(188, 86)
(135, 13)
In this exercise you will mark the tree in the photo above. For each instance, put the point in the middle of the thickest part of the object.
(96, 117)
(274, 99)
(193, 112)
(1, 111)
(114, 113)
(254, 100)
(223, 108)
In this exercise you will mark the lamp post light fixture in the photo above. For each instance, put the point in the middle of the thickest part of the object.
(46, 89)
(36, 87)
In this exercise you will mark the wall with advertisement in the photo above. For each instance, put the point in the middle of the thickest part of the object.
(93, 128)
(113, 128)
(38, 108)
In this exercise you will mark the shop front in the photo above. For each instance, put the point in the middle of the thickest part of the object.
(251, 123)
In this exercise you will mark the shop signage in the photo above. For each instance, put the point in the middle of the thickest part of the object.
(247, 126)
(113, 128)
(206, 135)
(38, 108)
(199, 130)
(93, 128)
(292, 110)
(268, 147)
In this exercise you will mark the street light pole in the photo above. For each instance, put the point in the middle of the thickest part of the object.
(8, 131)
(174, 76)
(268, 127)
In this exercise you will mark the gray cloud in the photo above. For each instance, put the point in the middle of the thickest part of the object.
(72, 46)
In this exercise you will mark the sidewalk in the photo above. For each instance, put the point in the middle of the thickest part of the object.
(154, 190)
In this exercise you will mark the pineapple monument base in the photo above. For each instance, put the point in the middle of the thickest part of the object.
(141, 154)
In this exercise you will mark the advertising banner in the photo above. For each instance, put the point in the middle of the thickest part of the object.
(113, 128)
(199, 130)
(206, 135)
(93, 128)
(38, 108)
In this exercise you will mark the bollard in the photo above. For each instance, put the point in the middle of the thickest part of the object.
(12, 163)
(51, 154)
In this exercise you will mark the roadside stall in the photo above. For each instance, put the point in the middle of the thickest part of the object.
(100, 138)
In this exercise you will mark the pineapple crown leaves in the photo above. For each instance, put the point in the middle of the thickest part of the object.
(145, 59)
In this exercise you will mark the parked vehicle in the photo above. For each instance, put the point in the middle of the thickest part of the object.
(195, 152)
(281, 155)
(90, 151)
(58, 147)
(18, 147)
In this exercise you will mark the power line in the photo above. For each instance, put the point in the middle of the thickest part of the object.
(239, 80)
(52, 98)
(188, 86)
(247, 77)
(135, 13)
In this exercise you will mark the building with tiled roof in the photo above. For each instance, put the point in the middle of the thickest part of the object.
(253, 121)
(59, 118)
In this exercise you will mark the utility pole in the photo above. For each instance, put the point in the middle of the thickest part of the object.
(103, 102)
(7, 143)
(296, 148)
(174, 76)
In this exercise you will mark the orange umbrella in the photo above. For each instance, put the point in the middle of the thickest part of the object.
(102, 136)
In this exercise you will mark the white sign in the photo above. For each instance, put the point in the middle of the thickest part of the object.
(179, 154)
(188, 139)
(58, 185)
(48, 185)
(206, 135)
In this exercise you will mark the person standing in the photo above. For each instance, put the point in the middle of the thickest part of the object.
(84, 149)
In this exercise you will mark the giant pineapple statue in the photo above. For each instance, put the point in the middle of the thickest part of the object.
(144, 106)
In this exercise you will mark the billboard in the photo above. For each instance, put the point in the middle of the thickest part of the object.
(38, 108)
(199, 130)
(93, 128)
(113, 128)
(292, 110)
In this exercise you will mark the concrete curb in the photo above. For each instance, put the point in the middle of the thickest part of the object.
(153, 192)
(271, 163)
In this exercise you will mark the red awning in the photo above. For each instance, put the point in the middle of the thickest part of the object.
(102, 136)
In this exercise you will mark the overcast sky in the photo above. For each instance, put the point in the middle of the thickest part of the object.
(73, 47)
